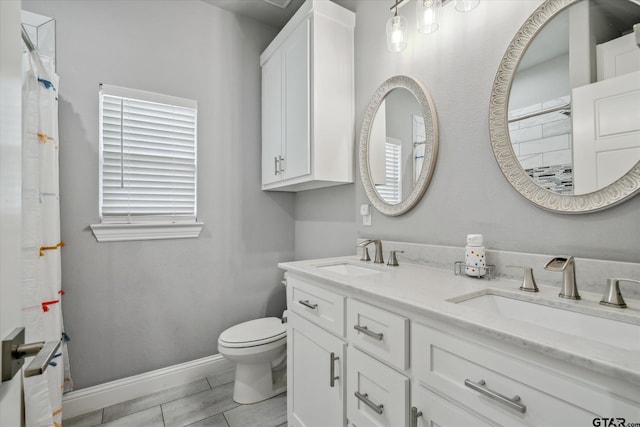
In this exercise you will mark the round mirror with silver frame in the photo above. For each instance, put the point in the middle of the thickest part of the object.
(399, 98)
(501, 123)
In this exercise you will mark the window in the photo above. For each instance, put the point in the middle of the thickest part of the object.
(148, 159)
(391, 191)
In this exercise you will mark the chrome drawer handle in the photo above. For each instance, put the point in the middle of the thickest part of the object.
(332, 369)
(365, 399)
(415, 414)
(366, 331)
(306, 303)
(513, 403)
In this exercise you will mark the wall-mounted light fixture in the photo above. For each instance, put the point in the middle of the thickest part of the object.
(428, 13)
(397, 31)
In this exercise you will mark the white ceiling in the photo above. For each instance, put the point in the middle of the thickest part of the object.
(268, 13)
(260, 10)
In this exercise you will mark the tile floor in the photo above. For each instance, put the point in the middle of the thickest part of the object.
(204, 402)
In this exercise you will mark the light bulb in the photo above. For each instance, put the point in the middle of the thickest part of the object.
(466, 5)
(397, 33)
(428, 15)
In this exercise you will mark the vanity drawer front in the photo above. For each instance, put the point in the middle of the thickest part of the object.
(320, 306)
(382, 393)
(436, 411)
(379, 332)
(455, 367)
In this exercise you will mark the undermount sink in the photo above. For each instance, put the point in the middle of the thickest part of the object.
(586, 325)
(349, 269)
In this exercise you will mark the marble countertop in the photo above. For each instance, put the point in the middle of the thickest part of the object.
(430, 291)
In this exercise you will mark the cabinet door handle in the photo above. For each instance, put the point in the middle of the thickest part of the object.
(276, 165)
(513, 403)
(364, 398)
(281, 164)
(366, 331)
(306, 303)
(415, 414)
(332, 369)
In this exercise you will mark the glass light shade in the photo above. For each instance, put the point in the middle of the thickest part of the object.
(428, 14)
(466, 5)
(397, 33)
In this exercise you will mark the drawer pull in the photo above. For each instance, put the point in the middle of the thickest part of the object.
(306, 303)
(332, 369)
(366, 331)
(513, 403)
(415, 414)
(365, 399)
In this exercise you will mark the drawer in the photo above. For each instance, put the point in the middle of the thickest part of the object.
(320, 306)
(379, 332)
(376, 394)
(484, 380)
(433, 410)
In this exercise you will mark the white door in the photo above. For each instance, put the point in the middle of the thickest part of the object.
(617, 57)
(271, 118)
(10, 197)
(606, 131)
(297, 138)
(313, 399)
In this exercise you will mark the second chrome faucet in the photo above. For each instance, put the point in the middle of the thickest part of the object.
(378, 259)
(567, 265)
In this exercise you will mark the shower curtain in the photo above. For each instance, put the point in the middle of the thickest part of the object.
(42, 292)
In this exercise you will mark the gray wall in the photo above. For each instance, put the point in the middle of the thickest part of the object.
(132, 307)
(468, 193)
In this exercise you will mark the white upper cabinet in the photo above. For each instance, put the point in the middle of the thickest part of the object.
(307, 100)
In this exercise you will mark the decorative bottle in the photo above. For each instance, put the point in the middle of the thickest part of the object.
(474, 256)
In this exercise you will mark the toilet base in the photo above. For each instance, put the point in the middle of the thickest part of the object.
(257, 382)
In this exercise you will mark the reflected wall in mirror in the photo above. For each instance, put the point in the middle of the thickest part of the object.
(398, 145)
(565, 108)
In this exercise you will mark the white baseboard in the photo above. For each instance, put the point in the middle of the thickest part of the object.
(93, 398)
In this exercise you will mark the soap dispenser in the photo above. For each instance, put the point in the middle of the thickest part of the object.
(474, 256)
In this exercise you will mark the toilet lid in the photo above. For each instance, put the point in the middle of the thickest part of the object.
(254, 332)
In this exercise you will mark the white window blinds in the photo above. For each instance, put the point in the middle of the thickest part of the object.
(147, 157)
(391, 191)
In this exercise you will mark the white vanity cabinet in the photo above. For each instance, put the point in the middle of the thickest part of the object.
(505, 388)
(316, 351)
(308, 100)
(378, 340)
(314, 358)
(400, 366)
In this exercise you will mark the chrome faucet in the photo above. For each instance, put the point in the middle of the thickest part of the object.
(612, 296)
(567, 265)
(378, 258)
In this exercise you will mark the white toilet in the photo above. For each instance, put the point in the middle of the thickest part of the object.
(259, 349)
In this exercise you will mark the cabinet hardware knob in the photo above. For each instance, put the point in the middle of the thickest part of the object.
(306, 303)
(366, 331)
(332, 369)
(480, 387)
(364, 398)
(415, 414)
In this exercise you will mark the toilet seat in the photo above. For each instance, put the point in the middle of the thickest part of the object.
(253, 333)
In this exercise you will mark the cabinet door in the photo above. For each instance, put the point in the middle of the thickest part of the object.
(297, 138)
(313, 399)
(377, 396)
(271, 118)
(432, 410)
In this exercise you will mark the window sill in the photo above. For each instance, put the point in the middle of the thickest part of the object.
(129, 232)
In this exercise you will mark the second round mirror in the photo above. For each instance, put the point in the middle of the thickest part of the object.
(398, 145)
